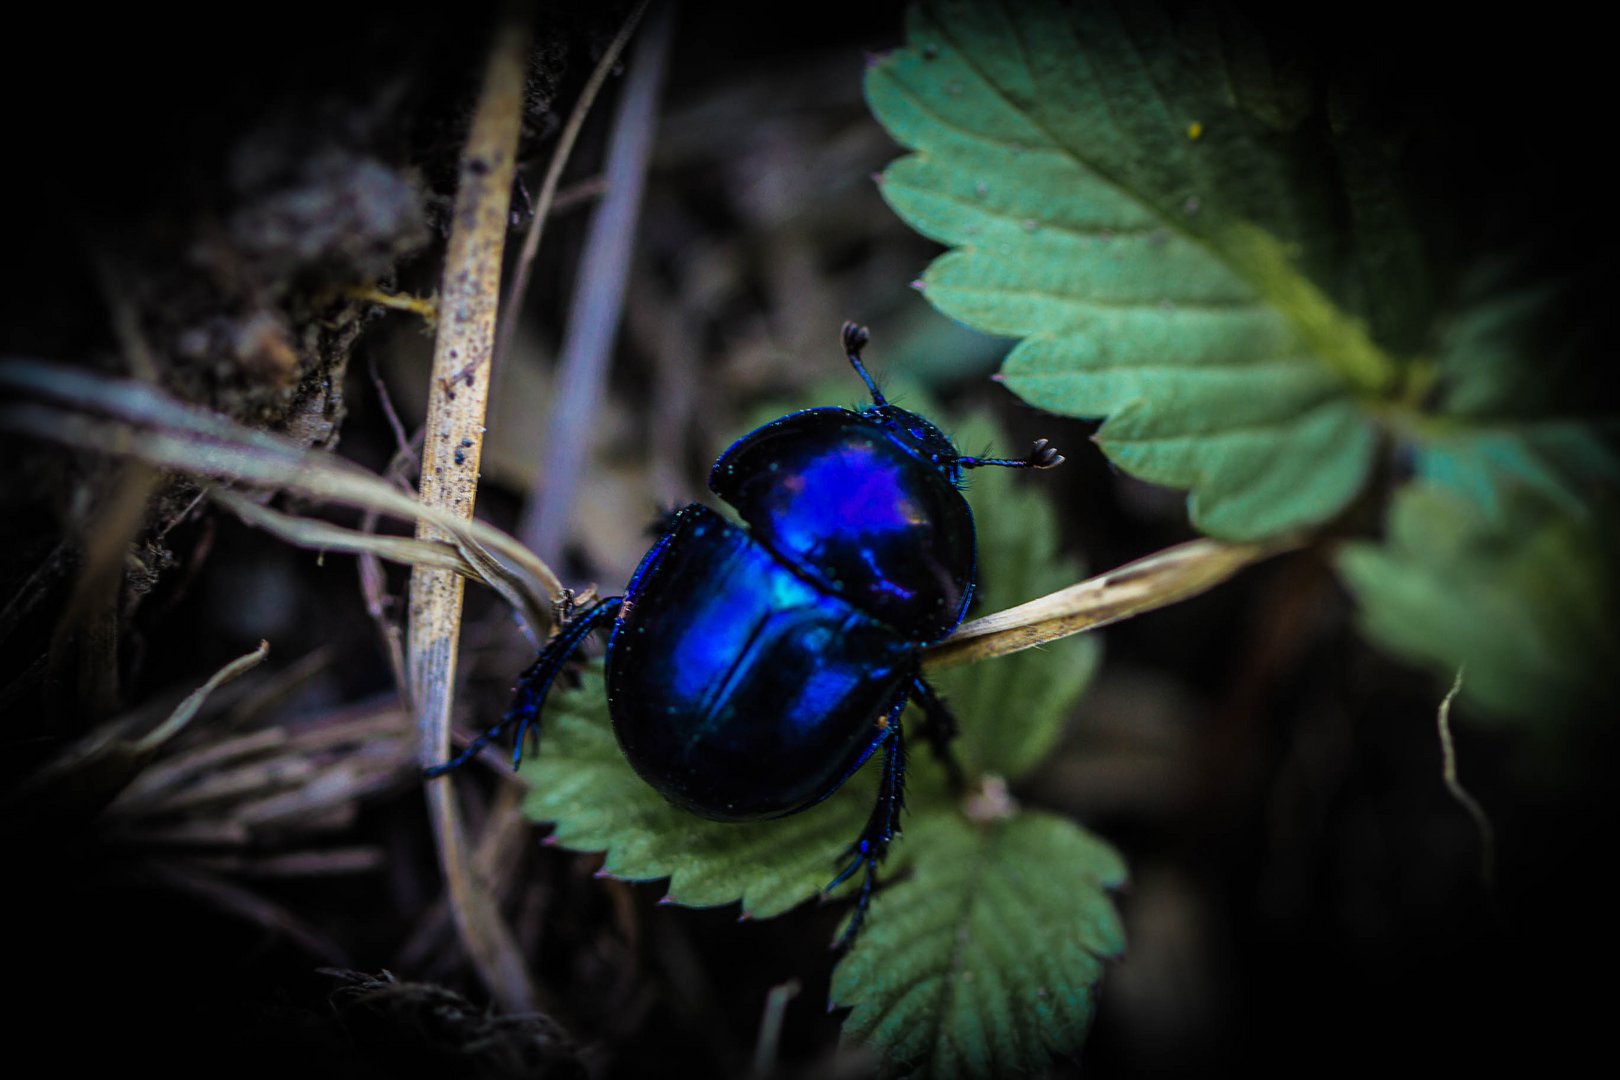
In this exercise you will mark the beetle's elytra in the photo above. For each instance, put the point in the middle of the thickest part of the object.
(751, 670)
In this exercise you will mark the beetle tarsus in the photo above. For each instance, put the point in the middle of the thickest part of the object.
(873, 844)
(471, 751)
(533, 686)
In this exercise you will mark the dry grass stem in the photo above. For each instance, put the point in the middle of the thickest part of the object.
(1159, 580)
(452, 449)
(143, 423)
(117, 750)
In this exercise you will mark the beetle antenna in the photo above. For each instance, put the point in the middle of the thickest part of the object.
(855, 338)
(1043, 455)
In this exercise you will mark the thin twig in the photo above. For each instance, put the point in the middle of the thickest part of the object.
(347, 860)
(403, 468)
(457, 403)
(1448, 772)
(403, 443)
(548, 188)
(325, 536)
(426, 308)
(770, 1027)
(593, 318)
(143, 422)
(84, 644)
(114, 752)
(578, 194)
(1158, 580)
(158, 781)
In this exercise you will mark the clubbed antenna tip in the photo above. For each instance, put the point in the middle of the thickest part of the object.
(1043, 455)
(855, 337)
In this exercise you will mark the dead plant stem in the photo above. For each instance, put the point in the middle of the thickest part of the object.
(452, 448)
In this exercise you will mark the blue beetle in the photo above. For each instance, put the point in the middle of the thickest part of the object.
(752, 670)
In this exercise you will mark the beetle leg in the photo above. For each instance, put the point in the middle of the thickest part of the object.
(533, 686)
(939, 728)
(881, 827)
(1043, 455)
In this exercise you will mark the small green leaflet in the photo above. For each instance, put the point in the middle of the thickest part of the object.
(984, 961)
(1498, 558)
(1565, 460)
(1122, 192)
(1523, 601)
(1512, 411)
(582, 782)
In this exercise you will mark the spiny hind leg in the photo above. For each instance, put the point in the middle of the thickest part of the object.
(533, 686)
(881, 826)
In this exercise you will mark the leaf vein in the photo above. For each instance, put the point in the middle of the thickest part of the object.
(1246, 363)
(1248, 430)
(1112, 305)
(1085, 165)
(1101, 234)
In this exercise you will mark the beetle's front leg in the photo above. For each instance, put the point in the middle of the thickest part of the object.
(881, 826)
(534, 684)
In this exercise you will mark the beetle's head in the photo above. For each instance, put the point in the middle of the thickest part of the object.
(919, 435)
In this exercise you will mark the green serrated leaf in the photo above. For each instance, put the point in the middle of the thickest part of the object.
(983, 961)
(1566, 460)
(1525, 601)
(1125, 193)
(581, 781)
(1012, 709)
